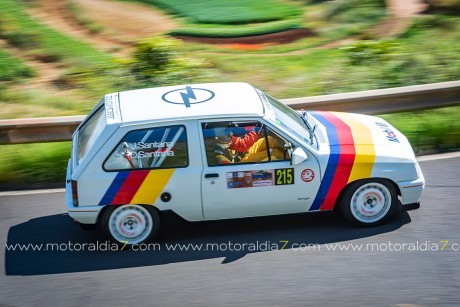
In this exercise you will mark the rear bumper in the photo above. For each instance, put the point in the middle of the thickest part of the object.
(83, 215)
(411, 191)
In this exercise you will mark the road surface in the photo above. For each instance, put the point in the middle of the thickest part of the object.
(285, 261)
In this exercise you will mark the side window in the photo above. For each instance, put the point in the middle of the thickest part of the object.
(242, 142)
(162, 147)
(280, 148)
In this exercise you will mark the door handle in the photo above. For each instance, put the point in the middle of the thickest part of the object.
(214, 175)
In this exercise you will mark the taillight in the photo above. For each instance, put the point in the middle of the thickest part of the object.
(74, 193)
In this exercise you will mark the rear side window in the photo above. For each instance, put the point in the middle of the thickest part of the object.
(160, 147)
(90, 132)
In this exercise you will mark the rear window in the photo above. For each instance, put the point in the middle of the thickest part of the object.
(89, 133)
(159, 147)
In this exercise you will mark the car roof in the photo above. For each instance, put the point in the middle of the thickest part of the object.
(209, 100)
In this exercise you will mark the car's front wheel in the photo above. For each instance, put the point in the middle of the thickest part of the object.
(369, 202)
(130, 224)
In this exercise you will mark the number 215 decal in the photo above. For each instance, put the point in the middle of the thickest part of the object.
(284, 176)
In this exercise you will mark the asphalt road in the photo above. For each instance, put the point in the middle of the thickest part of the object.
(415, 259)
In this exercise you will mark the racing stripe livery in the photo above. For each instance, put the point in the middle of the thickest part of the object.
(106, 182)
(136, 187)
(347, 161)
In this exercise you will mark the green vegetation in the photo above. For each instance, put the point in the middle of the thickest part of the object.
(84, 67)
(328, 19)
(12, 68)
(338, 19)
(430, 131)
(159, 61)
(20, 30)
(82, 19)
(212, 30)
(228, 12)
(359, 65)
(210, 18)
(369, 52)
(328, 22)
(446, 6)
(38, 103)
(33, 165)
(354, 11)
(87, 73)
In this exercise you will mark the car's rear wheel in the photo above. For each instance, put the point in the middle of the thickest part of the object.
(369, 202)
(130, 224)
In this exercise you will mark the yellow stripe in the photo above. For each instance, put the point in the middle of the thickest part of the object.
(365, 150)
(152, 186)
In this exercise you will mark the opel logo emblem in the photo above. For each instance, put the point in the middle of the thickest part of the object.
(188, 96)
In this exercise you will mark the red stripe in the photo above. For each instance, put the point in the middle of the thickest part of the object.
(129, 187)
(345, 163)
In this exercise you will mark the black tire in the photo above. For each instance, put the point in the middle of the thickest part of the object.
(369, 202)
(127, 225)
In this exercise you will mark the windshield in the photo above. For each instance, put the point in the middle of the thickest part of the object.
(89, 133)
(292, 121)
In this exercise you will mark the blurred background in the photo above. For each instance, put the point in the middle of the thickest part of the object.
(59, 57)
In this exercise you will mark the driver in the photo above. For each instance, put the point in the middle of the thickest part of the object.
(229, 147)
(258, 151)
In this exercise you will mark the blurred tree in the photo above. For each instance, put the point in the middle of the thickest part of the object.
(161, 61)
(152, 56)
(369, 52)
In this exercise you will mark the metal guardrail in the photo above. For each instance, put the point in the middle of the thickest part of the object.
(384, 101)
(400, 99)
(38, 130)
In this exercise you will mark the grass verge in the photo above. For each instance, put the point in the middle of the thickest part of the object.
(39, 103)
(429, 131)
(33, 165)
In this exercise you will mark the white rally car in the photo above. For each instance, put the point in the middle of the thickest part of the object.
(228, 150)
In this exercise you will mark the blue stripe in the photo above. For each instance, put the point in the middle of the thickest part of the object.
(331, 163)
(114, 188)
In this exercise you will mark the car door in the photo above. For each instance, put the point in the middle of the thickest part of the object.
(247, 171)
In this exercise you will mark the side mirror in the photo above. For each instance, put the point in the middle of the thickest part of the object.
(298, 156)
